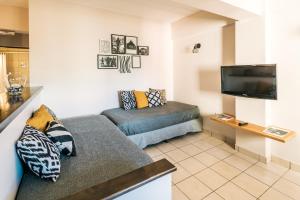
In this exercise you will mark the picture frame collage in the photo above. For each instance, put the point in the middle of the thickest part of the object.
(121, 52)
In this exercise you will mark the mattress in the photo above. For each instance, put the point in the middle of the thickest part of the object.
(103, 153)
(153, 137)
(139, 121)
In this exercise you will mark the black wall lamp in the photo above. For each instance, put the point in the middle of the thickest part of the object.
(196, 48)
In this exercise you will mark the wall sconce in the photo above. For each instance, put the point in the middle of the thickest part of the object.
(196, 48)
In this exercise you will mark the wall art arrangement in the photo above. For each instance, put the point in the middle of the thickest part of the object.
(121, 52)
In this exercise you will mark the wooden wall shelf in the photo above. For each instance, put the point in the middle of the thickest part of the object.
(253, 128)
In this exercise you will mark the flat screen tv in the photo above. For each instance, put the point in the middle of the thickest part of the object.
(254, 81)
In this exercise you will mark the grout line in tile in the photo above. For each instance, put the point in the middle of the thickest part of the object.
(271, 186)
(219, 160)
(182, 192)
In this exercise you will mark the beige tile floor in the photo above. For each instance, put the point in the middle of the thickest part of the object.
(209, 169)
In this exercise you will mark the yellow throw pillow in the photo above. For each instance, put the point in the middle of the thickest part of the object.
(141, 99)
(40, 119)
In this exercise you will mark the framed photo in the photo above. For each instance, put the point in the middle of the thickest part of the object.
(104, 46)
(125, 64)
(136, 62)
(131, 45)
(118, 44)
(107, 61)
(143, 50)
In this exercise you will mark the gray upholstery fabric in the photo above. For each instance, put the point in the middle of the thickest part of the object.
(159, 135)
(103, 152)
(144, 120)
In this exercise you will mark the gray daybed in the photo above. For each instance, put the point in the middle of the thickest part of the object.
(152, 125)
(103, 153)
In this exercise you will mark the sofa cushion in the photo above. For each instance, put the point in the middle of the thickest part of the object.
(39, 154)
(62, 138)
(141, 99)
(40, 119)
(103, 153)
(153, 98)
(128, 100)
(163, 95)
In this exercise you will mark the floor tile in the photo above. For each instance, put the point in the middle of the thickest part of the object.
(206, 159)
(238, 162)
(228, 148)
(262, 174)
(162, 156)
(180, 174)
(203, 145)
(219, 153)
(293, 176)
(288, 188)
(272, 194)
(177, 194)
(192, 165)
(191, 150)
(179, 142)
(245, 157)
(165, 147)
(214, 141)
(277, 169)
(251, 185)
(177, 155)
(232, 192)
(210, 178)
(213, 196)
(193, 188)
(193, 137)
(152, 151)
(225, 170)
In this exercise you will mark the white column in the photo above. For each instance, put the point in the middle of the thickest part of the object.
(253, 111)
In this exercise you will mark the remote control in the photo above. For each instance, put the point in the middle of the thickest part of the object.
(241, 123)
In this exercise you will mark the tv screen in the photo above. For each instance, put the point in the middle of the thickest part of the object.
(256, 81)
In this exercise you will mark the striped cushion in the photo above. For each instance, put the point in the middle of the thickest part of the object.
(63, 139)
(39, 154)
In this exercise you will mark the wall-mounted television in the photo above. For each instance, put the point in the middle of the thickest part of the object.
(254, 81)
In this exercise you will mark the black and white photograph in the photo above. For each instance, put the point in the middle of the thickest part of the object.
(143, 50)
(131, 45)
(125, 64)
(118, 44)
(136, 61)
(104, 46)
(107, 61)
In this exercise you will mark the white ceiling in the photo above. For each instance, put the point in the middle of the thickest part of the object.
(18, 3)
(162, 10)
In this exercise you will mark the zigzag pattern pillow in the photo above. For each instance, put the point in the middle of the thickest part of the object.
(39, 154)
(128, 100)
(153, 98)
(62, 138)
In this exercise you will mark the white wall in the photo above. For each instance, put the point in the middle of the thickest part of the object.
(283, 34)
(63, 56)
(197, 76)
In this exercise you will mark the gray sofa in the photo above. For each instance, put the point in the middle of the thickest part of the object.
(103, 153)
(152, 125)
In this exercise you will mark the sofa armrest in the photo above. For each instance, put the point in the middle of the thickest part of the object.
(125, 183)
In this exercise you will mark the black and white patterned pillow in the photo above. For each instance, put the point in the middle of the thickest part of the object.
(154, 99)
(62, 138)
(39, 153)
(128, 100)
